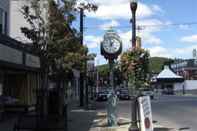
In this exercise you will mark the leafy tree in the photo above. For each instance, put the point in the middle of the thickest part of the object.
(64, 48)
(104, 73)
(55, 41)
(135, 66)
(53, 38)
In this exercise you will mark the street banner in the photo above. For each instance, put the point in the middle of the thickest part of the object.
(145, 113)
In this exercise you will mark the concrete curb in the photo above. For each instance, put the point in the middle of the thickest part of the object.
(124, 123)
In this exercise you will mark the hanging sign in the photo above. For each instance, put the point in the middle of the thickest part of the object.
(146, 123)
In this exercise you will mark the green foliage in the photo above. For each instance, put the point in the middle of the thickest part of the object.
(37, 30)
(55, 40)
(103, 70)
(156, 64)
(135, 66)
(64, 48)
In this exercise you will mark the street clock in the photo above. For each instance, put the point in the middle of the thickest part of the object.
(111, 46)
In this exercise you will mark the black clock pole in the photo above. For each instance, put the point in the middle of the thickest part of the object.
(111, 67)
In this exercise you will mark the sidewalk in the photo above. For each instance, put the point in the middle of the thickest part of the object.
(80, 119)
(8, 123)
(95, 120)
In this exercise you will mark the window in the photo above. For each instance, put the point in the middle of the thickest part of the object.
(3, 22)
(1, 84)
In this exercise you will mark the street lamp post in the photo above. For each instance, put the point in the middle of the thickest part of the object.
(133, 6)
(133, 126)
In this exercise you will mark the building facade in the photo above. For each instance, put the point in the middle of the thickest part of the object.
(17, 19)
(19, 67)
(4, 16)
(186, 68)
(19, 72)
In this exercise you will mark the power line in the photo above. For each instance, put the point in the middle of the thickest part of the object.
(145, 26)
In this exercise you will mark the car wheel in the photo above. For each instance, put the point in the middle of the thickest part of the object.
(152, 97)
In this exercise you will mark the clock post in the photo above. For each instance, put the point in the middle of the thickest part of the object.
(111, 67)
(111, 48)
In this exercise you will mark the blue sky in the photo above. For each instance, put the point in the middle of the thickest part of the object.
(165, 39)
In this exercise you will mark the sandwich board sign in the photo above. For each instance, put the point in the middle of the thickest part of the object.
(146, 123)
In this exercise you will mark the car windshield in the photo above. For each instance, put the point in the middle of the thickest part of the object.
(124, 91)
(146, 90)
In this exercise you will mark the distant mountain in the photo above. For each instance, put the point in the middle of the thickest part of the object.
(156, 63)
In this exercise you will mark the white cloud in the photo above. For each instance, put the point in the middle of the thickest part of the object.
(107, 25)
(92, 41)
(126, 39)
(111, 9)
(185, 52)
(151, 25)
(108, 2)
(146, 33)
(190, 39)
(184, 27)
(182, 52)
(147, 38)
(157, 8)
(159, 51)
(99, 60)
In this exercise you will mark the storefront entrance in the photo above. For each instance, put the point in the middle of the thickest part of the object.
(18, 89)
(14, 86)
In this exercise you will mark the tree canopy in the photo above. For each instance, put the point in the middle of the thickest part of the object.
(54, 38)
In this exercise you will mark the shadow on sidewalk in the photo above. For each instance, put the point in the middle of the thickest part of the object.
(163, 129)
(80, 119)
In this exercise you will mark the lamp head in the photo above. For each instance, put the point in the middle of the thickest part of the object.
(133, 5)
(133, 1)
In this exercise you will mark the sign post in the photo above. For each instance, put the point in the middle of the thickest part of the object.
(146, 123)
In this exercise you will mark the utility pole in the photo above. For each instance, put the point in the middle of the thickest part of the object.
(97, 77)
(83, 79)
(82, 74)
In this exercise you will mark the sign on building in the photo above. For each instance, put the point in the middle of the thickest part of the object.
(32, 61)
(146, 123)
(11, 55)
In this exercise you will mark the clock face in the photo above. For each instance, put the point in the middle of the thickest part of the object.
(111, 45)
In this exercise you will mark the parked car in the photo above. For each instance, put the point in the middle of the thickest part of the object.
(102, 95)
(168, 91)
(148, 92)
(123, 94)
(6, 100)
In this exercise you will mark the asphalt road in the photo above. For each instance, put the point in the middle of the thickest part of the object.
(178, 112)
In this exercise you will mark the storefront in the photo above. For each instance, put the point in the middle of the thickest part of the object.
(19, 73)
